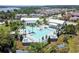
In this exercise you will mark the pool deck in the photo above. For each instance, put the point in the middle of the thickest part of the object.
(39, 35)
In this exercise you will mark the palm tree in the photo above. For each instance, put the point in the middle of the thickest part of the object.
(24, 28)
(38, 22)
(6, 23)
(42, 38)
(32, 25)
(23, 24)
(42, 41)
(45, 21)
(49, 40)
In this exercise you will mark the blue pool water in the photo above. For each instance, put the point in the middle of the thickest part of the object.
(38, 33)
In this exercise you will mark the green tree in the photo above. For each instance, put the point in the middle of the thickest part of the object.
(23, 24)
(6, 23)
(38, 22)
(45, 21)
(35, 47)
(70, 29)
(15, 25)
(5, 40)
(49, 40)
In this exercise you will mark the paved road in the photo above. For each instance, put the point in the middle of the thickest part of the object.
(21, 51)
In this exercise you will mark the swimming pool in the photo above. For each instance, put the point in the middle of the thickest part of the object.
(39, 34)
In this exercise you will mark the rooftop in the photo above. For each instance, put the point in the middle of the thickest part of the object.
(25, 19)
(29, 20)
(56, 21)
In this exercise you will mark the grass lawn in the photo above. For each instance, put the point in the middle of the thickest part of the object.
(49, 47)
(76, 40)
(19, 45)
(73, 43)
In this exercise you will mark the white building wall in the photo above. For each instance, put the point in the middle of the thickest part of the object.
(29, 20)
